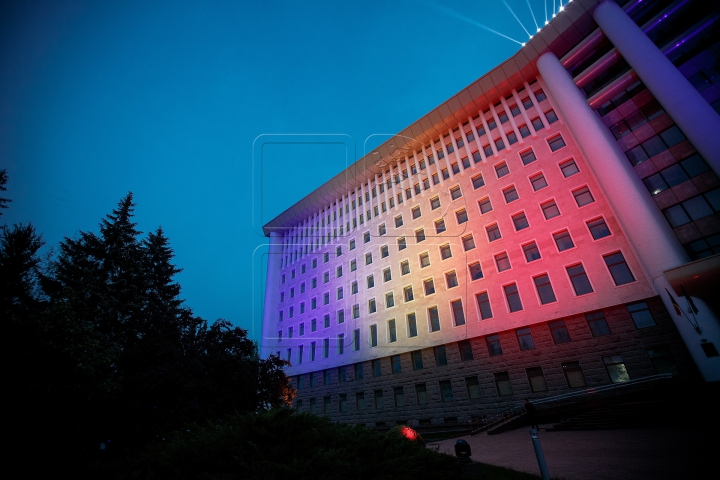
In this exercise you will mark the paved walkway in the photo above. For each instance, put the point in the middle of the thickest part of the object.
(629, 454)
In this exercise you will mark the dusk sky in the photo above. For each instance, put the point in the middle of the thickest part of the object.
(166, 98)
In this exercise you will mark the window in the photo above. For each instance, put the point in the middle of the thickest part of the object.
(429, 286)
(501, 169)
(640, 313)
(445, 252)
(408, 294)
(525, 339)
(440, 356)
(370, 281)
(493, 344)
(559, 332)
(373, 336)
(537, 124)
(569, 168)
(598, 228)
(485, 205)
(556, 143)
(440, 226)
(455, 193)
(377, 368)
(387, 275)
(434, 319)
(382, 230)
(538, 181)
(461, 216)
(446, 391)
(473, 387)
(499, 144)
(551, 116)
(579, 279)
(389, 300)
(451, 279)
(478, 181)
(540, 96)
(326, 404)
(360, 400)
(468, 242)
(465, 348)
(398, 221)
(458, 313)
(326, 277)
(493, 232)
(502, 261)
(392, 333)
(404, 267)
(326, 257)
(484, 305)
(615, 367)
(675, 174)
(487, 149)
(326, 348)
(536, 379)
(313, 325)
(520, 221)
(338, 272)
(434, 203)
(338, 252)
(524, 131)
(368, 258)
(282, 278)
(510, 194)
(352, 244)
(502, 382)
(550, 209)
(528, 156)
(378, 394)
(354, 288)
(399, 396)
(597, 323)
(476, 272)
(419, 235)
(424, 260)
(341, 343)
(416, 212)
(366, 237)
(326, 321)
(372, 306)
(384, 251)
(527, 103)
(531, 252)
(421, 393)
(693, 208)
(563, 240)
(574, 374)
(619, 269)
(513, 298)
(544, 289)
(401, 243)
(359, 371)
(583, 196)
(356, 339)
(313, 283)
(412, 326)
(663, 361)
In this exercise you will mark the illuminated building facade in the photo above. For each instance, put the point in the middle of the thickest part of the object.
(530, 236)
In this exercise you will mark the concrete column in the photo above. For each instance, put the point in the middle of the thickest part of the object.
(468, 150)
(510, 116)
(489, 135)
(447, 158)
(458, 158)
(524, 114)
(655, 244)
(692, 114)
(536, 104)
(500, 127)
(272, 293)
(477, 139)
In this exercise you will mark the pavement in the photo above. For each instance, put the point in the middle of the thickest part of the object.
(625, 454)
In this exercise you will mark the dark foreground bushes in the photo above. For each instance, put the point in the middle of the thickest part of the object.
(282, 445)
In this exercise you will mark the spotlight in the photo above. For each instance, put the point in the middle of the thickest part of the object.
(462, 450)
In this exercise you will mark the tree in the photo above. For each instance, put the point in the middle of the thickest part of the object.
(3, 181)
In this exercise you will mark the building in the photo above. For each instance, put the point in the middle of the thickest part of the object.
(534, 234)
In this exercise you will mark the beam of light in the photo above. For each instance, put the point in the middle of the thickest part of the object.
(545, 10)
(533, 15)
(471, 22)
(516, 18)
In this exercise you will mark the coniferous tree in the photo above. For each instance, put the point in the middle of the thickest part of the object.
(3, 181)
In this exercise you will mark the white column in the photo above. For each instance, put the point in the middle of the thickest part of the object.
(500, 127)
(458, 156)
(477, 139)
(541, 114)
(655, 244)
(447, 158)
(692, 114)
(512, 121)
(467, 148)
(524, 114)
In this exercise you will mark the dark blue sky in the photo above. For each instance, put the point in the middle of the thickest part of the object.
(165, 99)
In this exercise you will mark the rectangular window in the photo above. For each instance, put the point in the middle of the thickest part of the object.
(341, 344)
(404, 267)
(476, 272)
(342, 374)
(392, 331)
(559, 332)
(569, 168)
(528, 157)
(326, 277)
(370, 281)
(488, 150)
(352, 244)
(468, 242)
(398, 221)
(524, 131)
(440, 356)
(461, 216)
(338, 272)
(401, 243)
(408, 294)
(446, 391)
(421, 393)
(378, 394)
(366, 237)
(424, 260)
(619, 269)
(499, 144)
(341, 316)
(445, 251)
(551, 116)
(313, 325)
(502, 169)
(399, 396)
(360, 401)
(574, 374)
(525, 339)
(502, 261)
(663, 361)
(536, 379)
(478, 181)
(520, 221)
(451, 279)
(493, 232)
(434, 319)
(416, 212)
(356, 339)
(544, 289)
(538, 181)
(382, 230)
(531, 252)
(458, 313)
(384, 251)
(412, 325)
(389, 300)
(419, 235)
(440, 226)
(597, 323)
(493, 344)
(326, 321)
(465, 348)
(435, 203)
(372, 306)
(513, 298)
(455, 193)
(373, 336)
(615, 367)
(598, 228)
(583, 196)
(359, 371)
(473, 387)
(485, 205)
(640, 313)
(354, 288)
(550, 209)
(484, 305)
(502, 382)
(563, 240)
(387, 275)
(556, 143)
(579, 279)
(417, 361)
(537, 123)
(326, 347)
